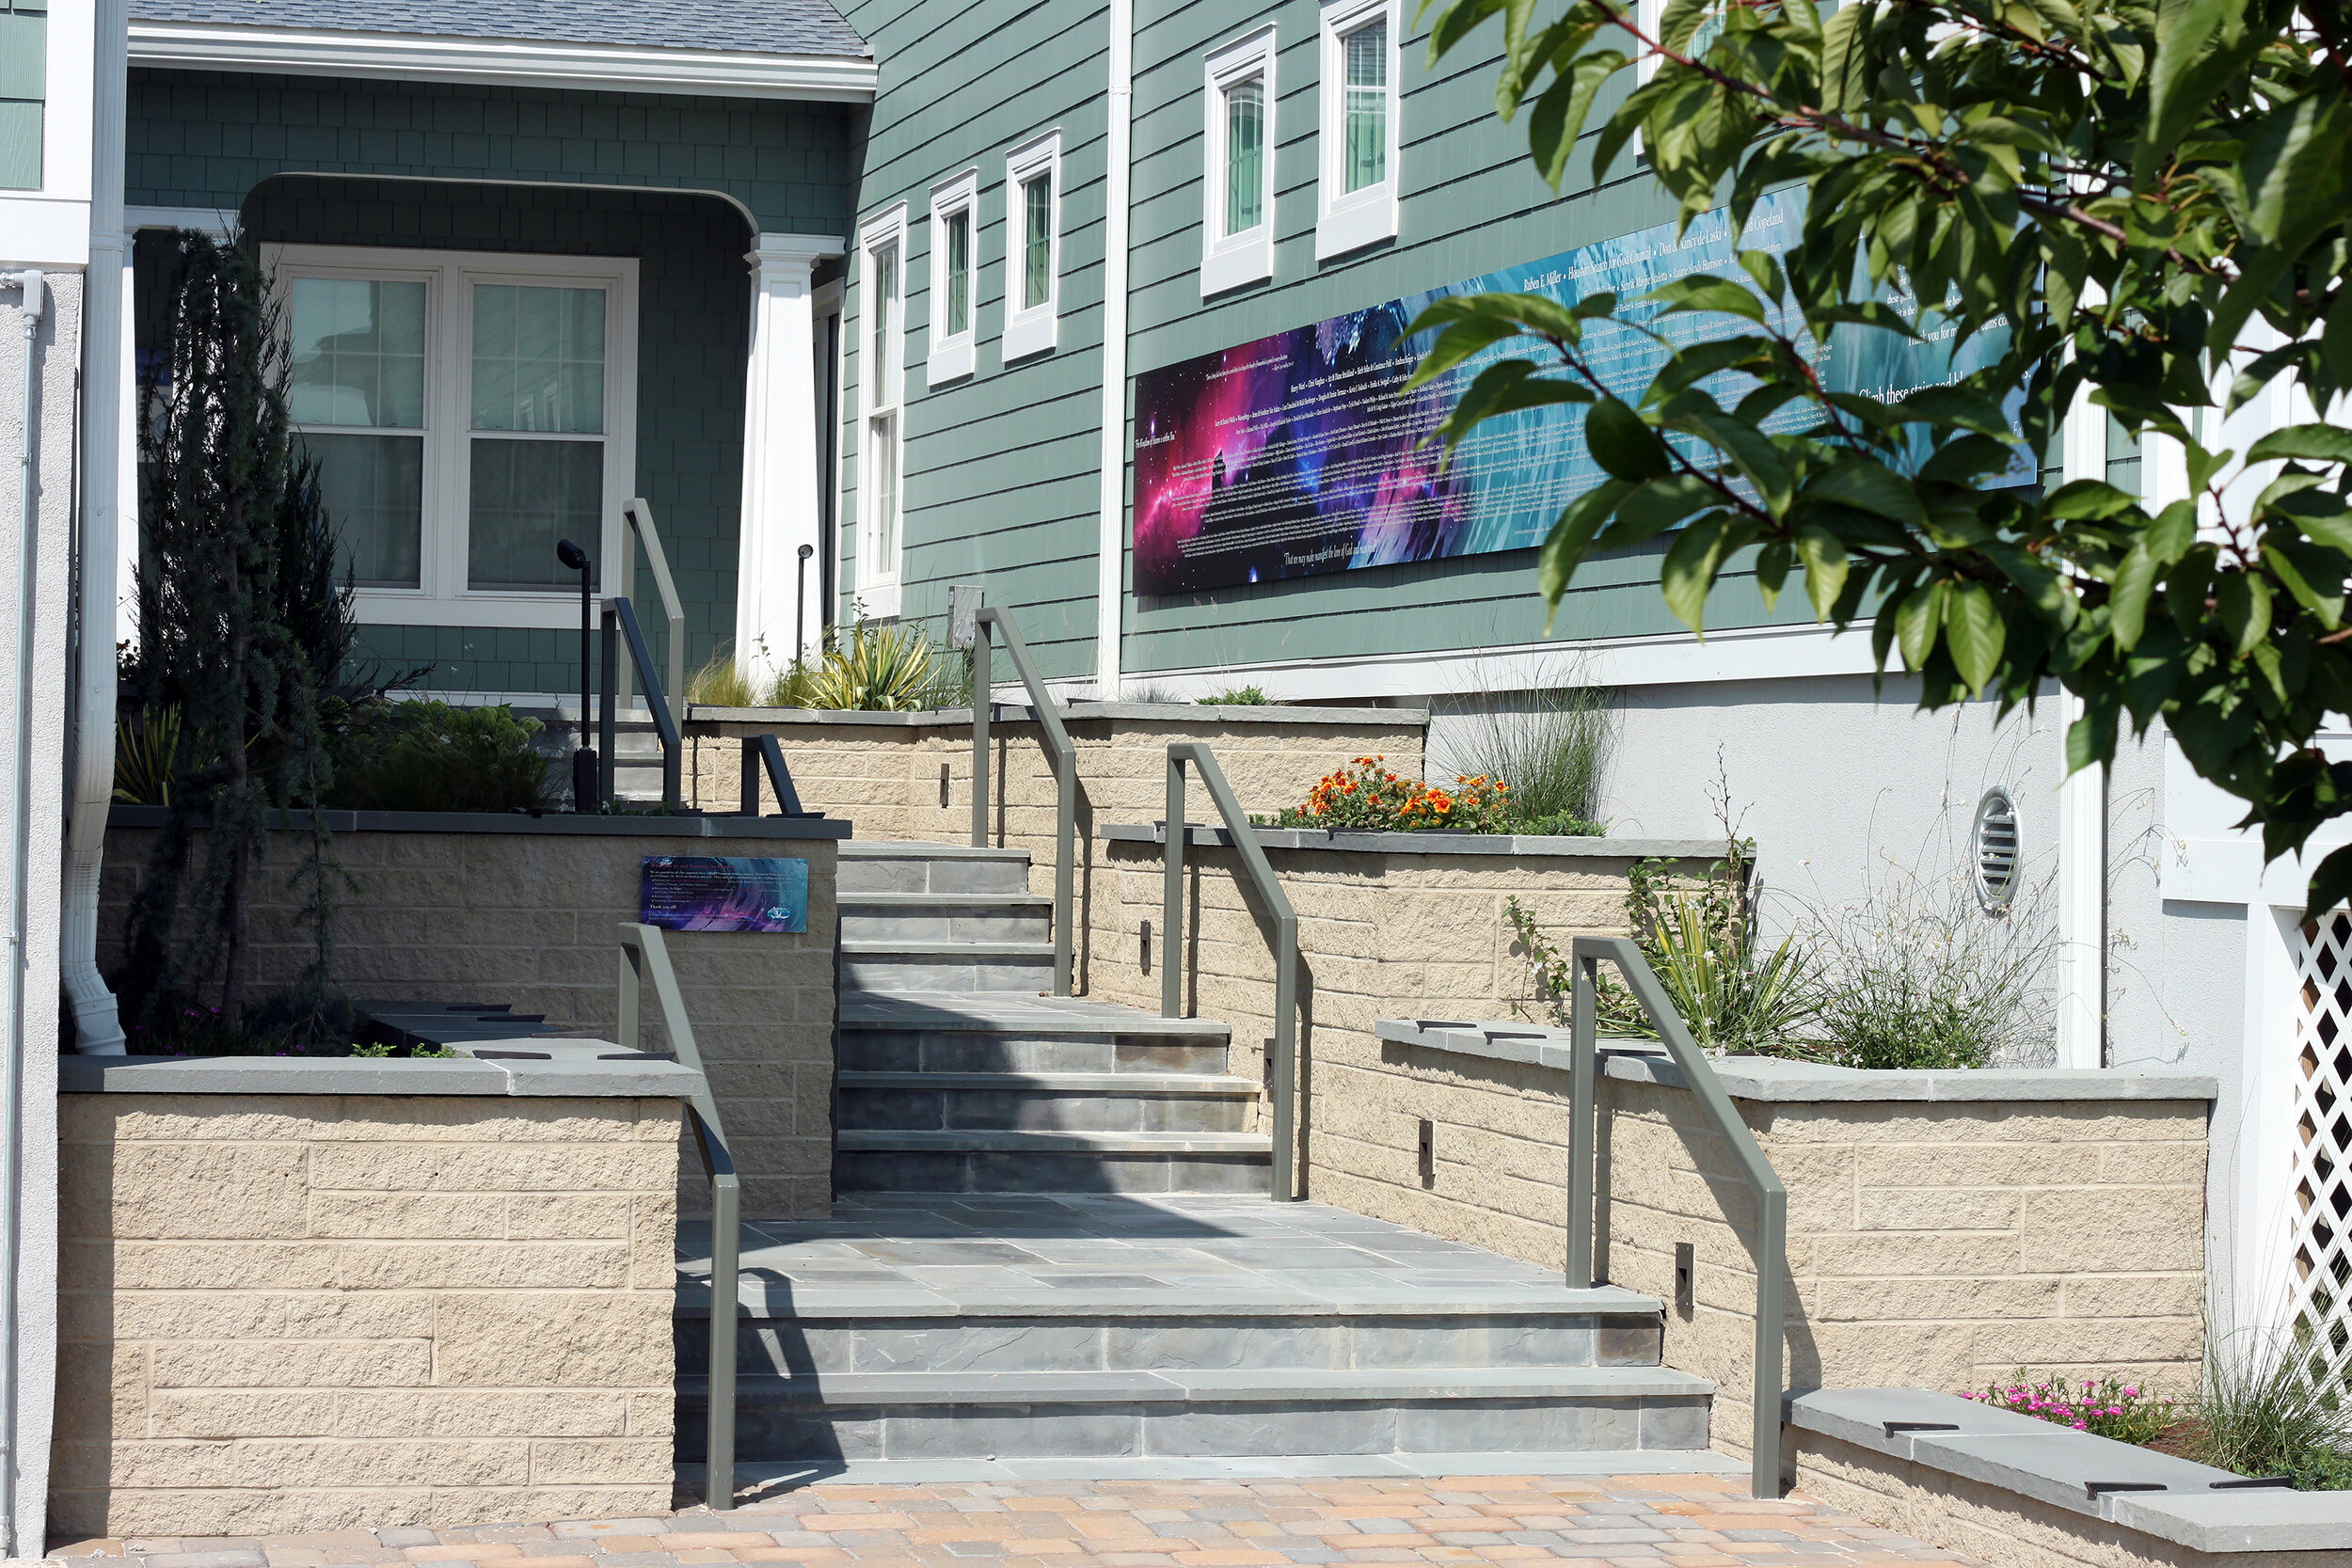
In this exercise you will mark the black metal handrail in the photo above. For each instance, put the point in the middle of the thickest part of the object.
(1588, 1239)
(618, 612)
(1283, 1073)
(645, 956)
(989, 618)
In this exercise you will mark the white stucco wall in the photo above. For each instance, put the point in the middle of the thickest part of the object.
(59, 352)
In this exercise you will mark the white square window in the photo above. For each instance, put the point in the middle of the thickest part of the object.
(465, 411)
(1032, 246)
(1356, 180)
(881, 375)
(955, 300)
(1237, 223)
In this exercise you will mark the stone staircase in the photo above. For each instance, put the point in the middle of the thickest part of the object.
(959, 1072)
(1050, 1254)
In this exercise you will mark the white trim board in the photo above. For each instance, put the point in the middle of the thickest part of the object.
(1762, 653)
(415, 57)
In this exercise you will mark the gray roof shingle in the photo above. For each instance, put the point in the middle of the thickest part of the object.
(749, 27)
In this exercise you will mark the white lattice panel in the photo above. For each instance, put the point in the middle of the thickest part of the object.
(2319, 1283)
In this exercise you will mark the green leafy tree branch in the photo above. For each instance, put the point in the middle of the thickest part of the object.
(2139, 204)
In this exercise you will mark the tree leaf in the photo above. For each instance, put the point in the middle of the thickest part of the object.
(1704, 291)
(1622, 443)
(2309, 443)
(1868, 485)
(1973, 631)
(1825, 567)
(1918, 620)
(2127, 596)
(1688, 570)
(1570, 537)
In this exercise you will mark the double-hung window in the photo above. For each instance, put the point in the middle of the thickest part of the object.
(881, 375)
(466, 412)
(1033, 246)
(1237, 225)
(955, 278)
(1357, 181)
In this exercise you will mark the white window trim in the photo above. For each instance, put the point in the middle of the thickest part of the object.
(1229, 261)
(875, 593)
(1349, 220)
(953, 354)
(1032, 329)
(443, 597)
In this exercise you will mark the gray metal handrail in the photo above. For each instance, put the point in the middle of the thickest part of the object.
(1284, 1076)
(645, 956)
(618, 612)
(639, 516)
(1588, 1240)
(1065, 771)
(762, 754)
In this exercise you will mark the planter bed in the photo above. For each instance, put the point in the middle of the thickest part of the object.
(2030, 1494)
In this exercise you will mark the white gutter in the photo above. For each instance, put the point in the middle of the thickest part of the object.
(106, 459)
(1109, 598)
(420, 58)
(20, 900)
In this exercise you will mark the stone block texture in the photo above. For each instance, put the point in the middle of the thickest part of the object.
(529, 919)
(913, 782)
(323, 1312)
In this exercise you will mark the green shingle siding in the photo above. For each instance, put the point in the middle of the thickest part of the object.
(24, 91)
(205, 138)
(1000, 484)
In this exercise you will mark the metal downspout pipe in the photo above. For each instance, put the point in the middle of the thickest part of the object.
(105, 466)
(1111, 545)
(20, 895)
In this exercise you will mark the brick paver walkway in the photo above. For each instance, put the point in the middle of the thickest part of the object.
(1577, 1522)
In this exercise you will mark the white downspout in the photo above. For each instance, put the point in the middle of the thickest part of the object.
(2082, 815)
(20, 899)
(1109, 598)
(106, 457)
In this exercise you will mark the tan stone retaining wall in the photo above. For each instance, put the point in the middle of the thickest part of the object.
(1944, 1228)
(506, 910)
(1407, 927)
(303, 1313)
(908, 776)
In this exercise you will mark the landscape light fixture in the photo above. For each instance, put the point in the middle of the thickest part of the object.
(587, 773)
(800, 606)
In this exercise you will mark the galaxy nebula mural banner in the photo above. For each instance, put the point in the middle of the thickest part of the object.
(724, 893)
(1298, 455)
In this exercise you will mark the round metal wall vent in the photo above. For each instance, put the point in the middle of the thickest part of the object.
(1993, 844)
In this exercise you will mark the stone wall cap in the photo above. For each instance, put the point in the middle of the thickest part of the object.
(1077, 710)
(2057, 1465)
(558, 823)
(1351, 841)
(578, 1074)
(1780, 1080)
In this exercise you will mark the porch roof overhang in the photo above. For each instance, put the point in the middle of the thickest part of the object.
(511, 62)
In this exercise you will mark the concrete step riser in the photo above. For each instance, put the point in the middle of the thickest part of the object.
(932, 972)
(1033, 1171)
(1236, 1429)
(794, 1347)
(878, 874)
(1039, 1111)
(978, 922)
(982, 1050)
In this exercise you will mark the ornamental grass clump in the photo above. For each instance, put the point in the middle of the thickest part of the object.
(2107, 1408)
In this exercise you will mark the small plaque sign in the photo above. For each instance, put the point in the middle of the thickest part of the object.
(724, 893)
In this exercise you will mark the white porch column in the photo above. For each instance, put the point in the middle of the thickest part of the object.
(2082, 819)
(781, 485)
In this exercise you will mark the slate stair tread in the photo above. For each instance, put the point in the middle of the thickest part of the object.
(1222, 1385)
(880, 947)
(850, 897)
(1058, 1082)
(885, 1140)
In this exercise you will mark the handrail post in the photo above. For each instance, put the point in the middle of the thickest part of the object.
(1582, 1123)
(607, 701)
(645, 956)
(640, 517)
(665, 727)
(1172, 894)
(1285, 1073)
(982, 682)
(1771, 1196)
